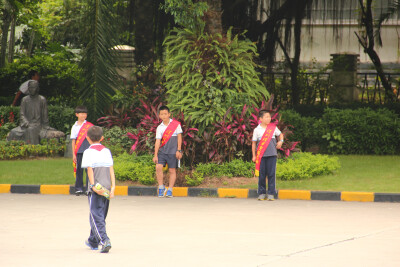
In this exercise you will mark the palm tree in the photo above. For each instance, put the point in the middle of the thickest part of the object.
(98, 60)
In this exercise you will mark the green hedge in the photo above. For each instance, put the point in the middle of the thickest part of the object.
(135, 168)
(20, 150)
(306, 165)
(359, 131)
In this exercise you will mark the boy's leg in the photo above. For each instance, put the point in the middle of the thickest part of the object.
(262, 177)
(160, 174)
(98, 211)
(271, 172)
(172, 177)
(79, 173)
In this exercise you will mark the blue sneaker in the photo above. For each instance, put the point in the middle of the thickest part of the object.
(90, 246)
(161, 192)
(169, 193)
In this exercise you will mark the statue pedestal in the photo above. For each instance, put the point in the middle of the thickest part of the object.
(68, 149)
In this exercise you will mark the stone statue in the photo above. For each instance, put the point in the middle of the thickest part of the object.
(34, 121)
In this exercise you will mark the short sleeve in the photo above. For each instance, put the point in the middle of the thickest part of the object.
(74, 134)
(87, 159)
(158, 133)
(254, 135)
(179, 129)
(277, 132)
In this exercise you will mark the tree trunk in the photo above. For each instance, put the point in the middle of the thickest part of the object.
(368, 43)
(131, 20)
(144, 35)
(297, 50)
(30, 45)
(11, 42)
(213, 17)
(4, 29)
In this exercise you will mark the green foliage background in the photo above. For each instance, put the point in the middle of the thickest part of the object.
(208, 74)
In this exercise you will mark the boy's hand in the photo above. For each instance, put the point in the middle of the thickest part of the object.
(178, 155)
(279, 145)
(254, 159)
(155, 159)
(97, 191)
(112, 192)
(74, 157)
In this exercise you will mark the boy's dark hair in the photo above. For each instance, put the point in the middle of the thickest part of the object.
(32, 73)
(163, 108)
(95, 133)
(264, 111)
(81, 109)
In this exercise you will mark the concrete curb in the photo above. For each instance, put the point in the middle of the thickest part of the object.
(210, 192)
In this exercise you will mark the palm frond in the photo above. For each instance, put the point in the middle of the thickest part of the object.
(98, 60)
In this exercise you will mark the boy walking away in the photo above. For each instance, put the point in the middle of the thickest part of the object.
(264, 148)
(79, 145)
(99, 163)
(167, 150)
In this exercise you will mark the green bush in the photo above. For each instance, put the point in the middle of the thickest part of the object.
(306, 165)
(195, 179)
(117, 140)
(360, 131)
(135, 168)
(21, 150)
(235, 168)
(305, 129)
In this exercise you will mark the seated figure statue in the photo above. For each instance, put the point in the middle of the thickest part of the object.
(34, 121)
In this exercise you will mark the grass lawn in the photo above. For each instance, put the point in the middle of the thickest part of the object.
(358, 173)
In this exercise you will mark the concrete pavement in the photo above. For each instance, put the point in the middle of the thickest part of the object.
(49, 230)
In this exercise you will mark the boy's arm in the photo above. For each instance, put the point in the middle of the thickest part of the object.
(179, 152)
(280, 142)
(90, 175)
(253, 150)
(73, 149)
(156, 148)
(112, 175)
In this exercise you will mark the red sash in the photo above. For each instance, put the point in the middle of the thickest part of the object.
(262, 146)
(79, 140)
(169, 132)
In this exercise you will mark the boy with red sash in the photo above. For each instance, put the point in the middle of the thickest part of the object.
(167, 150)
(264, 148)
(79, 145)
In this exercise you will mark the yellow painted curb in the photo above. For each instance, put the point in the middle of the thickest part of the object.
(357, 196)
(121, 190)
(54, 189)
(233, 192)
(294, 194)
(180, 192)
(5, 188)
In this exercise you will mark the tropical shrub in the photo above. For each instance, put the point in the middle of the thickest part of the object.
(117, 140)
(306, 165)
(208, 74)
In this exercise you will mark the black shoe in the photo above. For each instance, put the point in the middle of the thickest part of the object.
(106, 247)
(78, 192)
(86, 193)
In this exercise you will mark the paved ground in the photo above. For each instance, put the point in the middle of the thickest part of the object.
(46, 230)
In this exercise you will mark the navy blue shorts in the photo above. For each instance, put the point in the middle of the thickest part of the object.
(168, 158)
